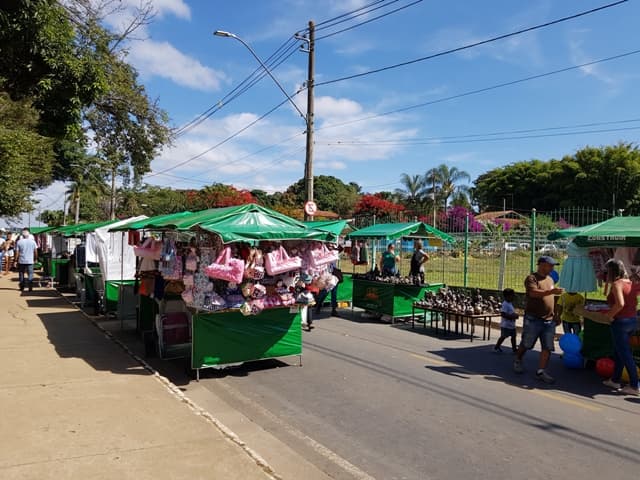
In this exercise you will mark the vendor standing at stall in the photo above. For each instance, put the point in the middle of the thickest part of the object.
(418, 259)
(389, 262)
(623, 302)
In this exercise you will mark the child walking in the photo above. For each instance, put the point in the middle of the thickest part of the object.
(508, 321)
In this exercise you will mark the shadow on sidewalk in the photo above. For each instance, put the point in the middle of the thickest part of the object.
(74, 336)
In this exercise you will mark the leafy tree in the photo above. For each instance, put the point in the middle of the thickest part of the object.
(51, 218)
(376, 205)
(444, 182)
(330, 193)
(27, 157)
(413, 193)
(217, 195)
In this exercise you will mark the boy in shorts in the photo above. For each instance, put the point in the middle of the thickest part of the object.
(508, 321)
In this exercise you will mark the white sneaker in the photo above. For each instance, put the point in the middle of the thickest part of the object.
(629, 390)
(611, 384)
(545, 377)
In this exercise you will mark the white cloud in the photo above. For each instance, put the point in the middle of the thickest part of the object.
(175, 7)
(271, 155)
(578, 56)
(163, 60)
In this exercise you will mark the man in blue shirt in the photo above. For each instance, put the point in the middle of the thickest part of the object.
(26, 254)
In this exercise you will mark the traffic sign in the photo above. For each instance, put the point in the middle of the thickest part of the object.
(310, 208)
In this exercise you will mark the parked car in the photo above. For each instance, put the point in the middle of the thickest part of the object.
(511, 246)
(525, 245)
(548, 249)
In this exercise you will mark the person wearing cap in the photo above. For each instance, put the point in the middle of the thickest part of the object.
(540, 319)
(25, 256)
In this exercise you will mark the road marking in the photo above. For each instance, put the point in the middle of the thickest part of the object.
(564, 399)
(430, 359)
(316, 446)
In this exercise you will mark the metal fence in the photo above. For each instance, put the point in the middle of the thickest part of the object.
(495, 255)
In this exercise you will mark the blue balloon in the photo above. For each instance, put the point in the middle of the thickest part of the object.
(573, 360)
(570, 343)
(555, 276)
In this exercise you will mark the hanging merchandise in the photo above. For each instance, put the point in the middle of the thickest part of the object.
(191, 260)
(254, 267)
(320, 255)
(226, 268)
(150, 248)
(278, 261)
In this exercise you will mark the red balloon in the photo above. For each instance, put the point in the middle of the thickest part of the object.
(604, 367)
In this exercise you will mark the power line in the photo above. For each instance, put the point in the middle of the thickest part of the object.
(222, 142)
(472, 45)
(477, 140)
(273, 61)
(364, 7)
(473, 135)
(369, 21)
(479, 90)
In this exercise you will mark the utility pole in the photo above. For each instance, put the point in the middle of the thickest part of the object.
(308, 162)
(77, 203)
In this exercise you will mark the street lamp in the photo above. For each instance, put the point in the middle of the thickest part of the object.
(308, 118)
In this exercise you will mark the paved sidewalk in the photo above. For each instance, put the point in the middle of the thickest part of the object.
(76, 406)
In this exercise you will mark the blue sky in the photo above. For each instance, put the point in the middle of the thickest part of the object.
(189, 70)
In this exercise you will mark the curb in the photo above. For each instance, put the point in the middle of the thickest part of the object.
(179, 395)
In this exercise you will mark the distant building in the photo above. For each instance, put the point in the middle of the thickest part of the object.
(505, 216)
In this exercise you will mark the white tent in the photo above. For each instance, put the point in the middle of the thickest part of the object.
(115, 255)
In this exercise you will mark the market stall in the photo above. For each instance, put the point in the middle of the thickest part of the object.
(243, 273)
(392, 296)
(338, 228)
(617, 237)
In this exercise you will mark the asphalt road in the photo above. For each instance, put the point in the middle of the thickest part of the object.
(382, 401)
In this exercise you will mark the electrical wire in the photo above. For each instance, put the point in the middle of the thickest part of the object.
(222, 142)
(364, 7)
(368, 21)
(476, 140)
(352, 15)
(472, 45)
(479, 90)
(276, 59)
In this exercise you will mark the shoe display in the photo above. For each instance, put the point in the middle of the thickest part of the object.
(545, 377)
(629, 390)
(611, 384)
(517, 366)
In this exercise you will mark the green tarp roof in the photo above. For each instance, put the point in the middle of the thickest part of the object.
(150, 223)
(38, 230)
(70, 230)
(566, 232)
(614, 232)
(335, 227)
(393, 231)
(238, 223)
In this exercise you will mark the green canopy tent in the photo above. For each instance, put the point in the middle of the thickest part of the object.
(150, 223)
(247, 223)
(393, 231)
(394, 300)
(39, 230)
(336, 227)
(80, 228)
(614, 232)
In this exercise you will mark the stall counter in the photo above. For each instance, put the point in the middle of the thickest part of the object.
(395, 300)
(229, 337)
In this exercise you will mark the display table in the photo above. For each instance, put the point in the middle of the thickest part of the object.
(395, 300)
(460, 320)
(229, 337)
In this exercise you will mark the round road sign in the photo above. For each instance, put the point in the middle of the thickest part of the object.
(310, 208)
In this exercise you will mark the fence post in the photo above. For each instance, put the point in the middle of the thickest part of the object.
(533, 239)
(466, 248)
